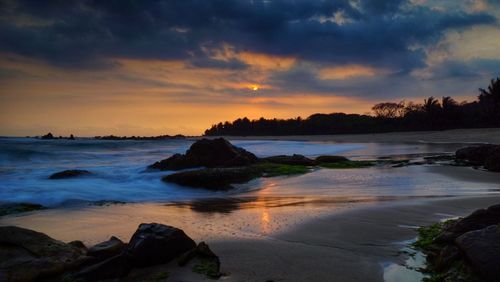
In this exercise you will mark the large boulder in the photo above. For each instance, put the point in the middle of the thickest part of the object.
(216, 179)
(479, 219)
(155, 243)
(295, 159)
(486, 155)
(482, 251)
(208, 153)
(71, 173)
(27, 255)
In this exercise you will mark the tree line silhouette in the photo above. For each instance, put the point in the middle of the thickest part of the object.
(433, 114)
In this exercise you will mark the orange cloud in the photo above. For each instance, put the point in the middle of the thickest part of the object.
(345, 72)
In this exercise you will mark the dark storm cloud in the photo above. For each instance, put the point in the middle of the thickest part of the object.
(91, 33)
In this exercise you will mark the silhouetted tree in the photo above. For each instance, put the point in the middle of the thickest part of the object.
(388, 116)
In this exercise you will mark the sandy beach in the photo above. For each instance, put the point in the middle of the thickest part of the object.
(475, 135)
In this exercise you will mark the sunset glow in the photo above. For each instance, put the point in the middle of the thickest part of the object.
(330, 61)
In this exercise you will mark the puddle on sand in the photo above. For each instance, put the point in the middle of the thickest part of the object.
(409, 270)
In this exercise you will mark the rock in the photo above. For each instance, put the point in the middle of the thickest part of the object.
(477, 220)
(157, 243)
(330, 159)
(113, 267)
(78, 245)
(48, 136)
(485, 155)
(27, 255)
(208, 153)
(7, 209)
(107, 249)
(201, 250)
(482, 250)
(216, 179)
(69, 174)
(492, 163)
(290, 160)
(446, 257)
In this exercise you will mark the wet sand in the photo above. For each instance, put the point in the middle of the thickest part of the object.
(477, 135)
(348, 246)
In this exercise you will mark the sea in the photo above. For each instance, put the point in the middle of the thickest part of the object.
(120, 173)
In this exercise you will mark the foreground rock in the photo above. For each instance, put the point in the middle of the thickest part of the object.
(72, 173)
(26, 255)
(208, 153)
(466, 249)
(477, 220)
(482, 155)
(482, 249)
(157, 243)
(107, 249)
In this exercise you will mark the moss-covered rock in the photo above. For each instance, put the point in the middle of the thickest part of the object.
(14, 208)
(348, 164)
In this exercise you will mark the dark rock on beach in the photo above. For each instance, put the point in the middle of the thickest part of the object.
(72, 173)
(113, 267)
(107, 249)
(466, 249)
(482, 250)
(208, 153)
(483, 155)
(27, 255)
(294, 159)
(214, 178)
(477, 220)
(157, 243)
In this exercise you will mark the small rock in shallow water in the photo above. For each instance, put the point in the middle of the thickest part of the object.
(69, 174)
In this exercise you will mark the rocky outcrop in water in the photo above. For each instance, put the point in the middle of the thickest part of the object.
(208, 153)
(215, 179)
(27, 255)
(330, 159)
(71, 173)
(482, 155)
(465, 249)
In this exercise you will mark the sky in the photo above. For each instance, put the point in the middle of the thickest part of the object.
(155, 67)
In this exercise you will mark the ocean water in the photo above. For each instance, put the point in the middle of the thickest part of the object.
(119, 172)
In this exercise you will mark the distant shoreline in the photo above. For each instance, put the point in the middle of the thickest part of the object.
(462, 136)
